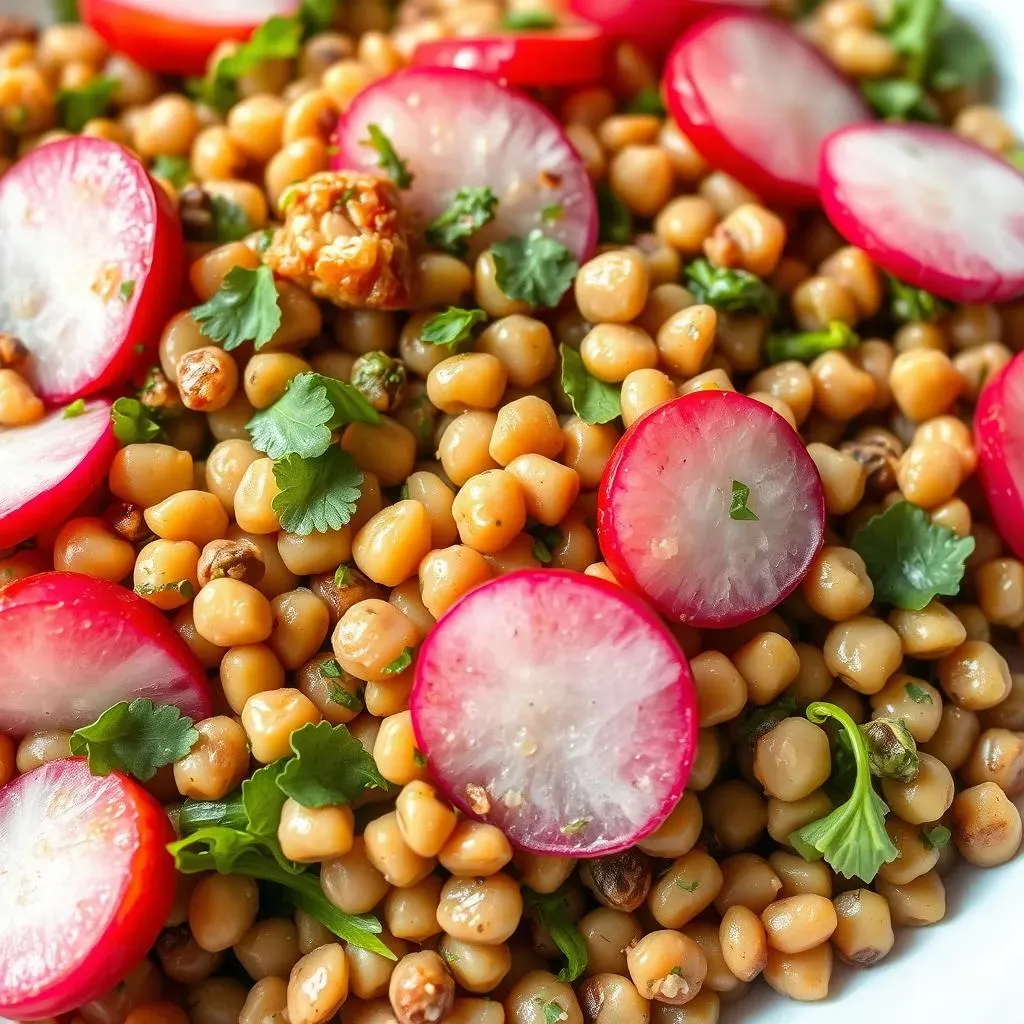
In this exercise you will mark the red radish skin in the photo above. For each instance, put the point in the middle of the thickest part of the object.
(930, 207)
(91, 254)
(758, 102)
(570, 55)
(999, 436)
(664, 522)
(459, 129)
(71, 646)
(86, 884)
(51, 467)
(174, 37)
(559, 708)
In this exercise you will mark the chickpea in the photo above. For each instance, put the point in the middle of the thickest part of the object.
(311, 834)
(146, 474)
(749, 237)
(689, 886)
(924, 383)
(195, 516)
(929, 474)
(686, 339)
(914, 701)
(254, 498)
(269, 949)
(89, 547)
(183, 959)
(798, 923)
(721, 690)
(838, 586)
(217, 762)
(351, 882)
(642, 176)
(784, 817)
(842, 391)
(587, 448)
(917, 903)
(769, 663)
(863, 933)
(802, 976)
(736, 814)
(318, 985)
(421, 988)
(523, 346)
(270, 718)
(792, 760)
(743, 942)
(469, 380)
(678, 834)
(843, 477)
(39, 748)
(975, 676)
(388, 450)
(445, 575)
(166, 573)
(863, 652)
(612, 287)
(370, 637)
(411, 912)
(986, 825)
(221, 910)
(643, 391)
(667, 966)
(525, 426)
(481, 910)
(266, 1002)
(388, 852)
(926, 797)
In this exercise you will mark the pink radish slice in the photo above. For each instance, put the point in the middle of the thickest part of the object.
(462, 129)
(71, 646)
(91, 256)
(930, 207)
(758, 102)
(665, 522)
(49, 468)
(86, 884)
(999, 435)
(559, 708)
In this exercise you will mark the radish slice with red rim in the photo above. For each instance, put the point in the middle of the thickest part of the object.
(71, 646)
(671, 519)
(758, 102)
(87, 885)
(559, 708)
(50, 467)
(462, 129)
(91, 256)
(568, 55)
(174, 37)
(932, 208)
(999, 435)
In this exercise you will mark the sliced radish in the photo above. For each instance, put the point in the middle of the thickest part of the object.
(758, 101)
(91, 256)
(570, 55)
(666, 522)
(49, 468)
(459, 129)
(86, 884)
(71, 646)
(175, 37)
(999, 434)
(930, 207)
(558, 707)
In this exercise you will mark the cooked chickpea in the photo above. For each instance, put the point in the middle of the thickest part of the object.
(483, 910)
(667, 966)
(975, 676)
(802, 976)
(926, 797)
(269, 719)
(88, 546)
(928, 474)
(863, 933)
(689, 886)
(311, 834)
(750, 237)
(146, 474)
(254, 498)
(863, 652)
(351, 882)
(469, 380)
(792, 760)
(269, 949)
(370, 637)
(318, 985)
(838, 586)
(217, 762)
(769, 663)
(445, 575)
(986, 825)
(221, 910)
(842, 391)
(798, 876)
(387, 450)
(523, 346)
(785, 816)
(388, 852)
(587, 449)
(798, 923)
(612, 287)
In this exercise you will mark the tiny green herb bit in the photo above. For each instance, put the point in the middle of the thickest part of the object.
(731, 291)
(419, 758)
(892, 750)
(739, 508)
(387, 159)
(316, 495)
(126, 291)
(132, 422)
(914, 305)
(182, 587)
(918, 694)
(911, 29)
(343, 576)
(899, 99)
(937, 837)
(65, 11)
(592, 400)
(527, 21)
(452, 327)
(230, 221)
(552, 213)
(330, 669)
(174, 169)
(574, 828)
(555, 1012)
(647, 101)
(764, 719)
(470, 210)
(910, 559)
(400, 664)
(552, 910)
(852, 839)
(687, 886)
(74, 410)
(806, 346)
(77, 106)
(545, 540)
(339, 695)
(614, 220)
(537, 269)
(244, 309)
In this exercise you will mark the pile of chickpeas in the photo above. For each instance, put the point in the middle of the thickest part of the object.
(474, 450)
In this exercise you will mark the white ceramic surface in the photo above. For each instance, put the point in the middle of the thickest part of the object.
(970, 968)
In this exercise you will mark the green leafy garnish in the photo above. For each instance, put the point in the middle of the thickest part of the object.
(345, 698)
(592, 400)
(555, 1012)
(330, 767)
(552, 213)
(937, 837)
(732, 291)
(764, 719)
(316, 495)
(343, 575)
(174, 169)
(132, 422)
(914, 305)
(330, 669)
(545, 540)
(126, 291)
(387, 159)
(806, 346)
(400, 664)
(1016, 157)
(552, 909)
(738, 507)
(262, 800)
(137, 739)
(317, 16)
(647, 101)
(614, 220)
(918, 694)
(911, 29)
(244, 309)
(452, 327)
(74, 410)
(77, 106)
(899, 99)
(910, 559)
(537, 269)
(65, 12)
(302, 420)
(230, 221)
(687, 886)
(959, 55)
(527, 21)
(852, 839)
(470, 210)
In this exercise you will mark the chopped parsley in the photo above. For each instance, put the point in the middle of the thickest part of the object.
(244, 309)
(918, 694)
(452, 327)
(469, 211)
(133, 423)
(806, 346)
(592, 400)
(126, 291)
(937, 837)
(74, 410)
(75, 107)
(400, 664)
(731, 291)
(316, 495)
(387, 159)
(527, 21)
(738, 507)
(537, 269)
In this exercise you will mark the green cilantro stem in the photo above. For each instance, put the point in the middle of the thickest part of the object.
(196, 814)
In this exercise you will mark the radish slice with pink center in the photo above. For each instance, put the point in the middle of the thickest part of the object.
(86, 884)
(50, 467)
(462, 129)
(71, 646)
(559, 708)
(999, 434)
(930, 207)
(666, 521)
(91, 256)
(758, 102)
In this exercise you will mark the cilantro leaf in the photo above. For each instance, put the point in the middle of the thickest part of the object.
(738, 507)
(74, 409)
(592, 400)
(387, 159)
(132, 422)
(527, 21)
(77, 106)
(174, 169)
(918, 694)
(399, 665)
(937, 837)
(852, 839)
(914, 305)
(245, 309)
(959, 55)
(909, 558)
(899, 99)
(615, 222)
(911, 29)
(136, 739)
(731, 291)
(470, 210)
(317, 16)
(230, 221)
(330, 767)
(536, 269)
(555, 1012)
(263, 800)
(452, 327)
(647, 101)
(806, 346)
(552, 909)
(316, 495)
